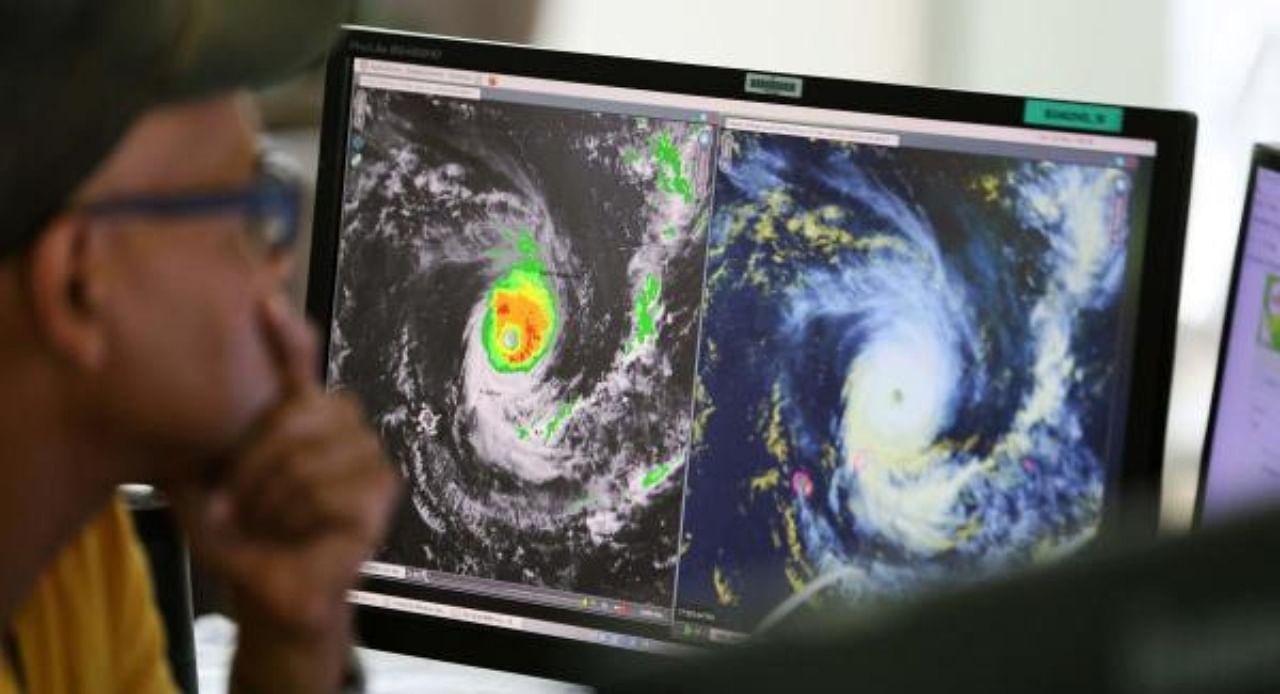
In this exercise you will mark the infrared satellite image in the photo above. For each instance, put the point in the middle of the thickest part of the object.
(906, 371)
(521, 287)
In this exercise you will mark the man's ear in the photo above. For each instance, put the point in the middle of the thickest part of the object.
(65, 284)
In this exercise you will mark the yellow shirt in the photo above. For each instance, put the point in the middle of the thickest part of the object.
(91, 623)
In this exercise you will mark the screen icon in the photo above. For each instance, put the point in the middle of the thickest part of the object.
(1269, 330)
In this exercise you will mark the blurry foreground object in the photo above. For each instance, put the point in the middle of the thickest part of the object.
(298, 102)
(1200, 614)
(170, 565)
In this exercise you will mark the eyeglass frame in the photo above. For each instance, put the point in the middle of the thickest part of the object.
(274, 195)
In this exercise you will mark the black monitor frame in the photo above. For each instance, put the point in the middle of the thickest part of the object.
(1264, 157)
(1138, 484)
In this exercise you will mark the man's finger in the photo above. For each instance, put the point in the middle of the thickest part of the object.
(295, 426)
(356, 505)
(293, 344)
(303, 477)
(207, 518)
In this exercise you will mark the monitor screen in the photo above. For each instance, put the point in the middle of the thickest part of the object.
(1242, 462)
(664, 369)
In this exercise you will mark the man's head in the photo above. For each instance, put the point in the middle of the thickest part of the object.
(137, 312)
(148, 324)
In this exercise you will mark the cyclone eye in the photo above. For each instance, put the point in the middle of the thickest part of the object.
(510, 340)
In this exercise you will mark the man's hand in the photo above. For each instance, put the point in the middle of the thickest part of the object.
(301, 506)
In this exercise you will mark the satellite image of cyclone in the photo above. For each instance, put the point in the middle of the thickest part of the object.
(906, 372)
(517, 298)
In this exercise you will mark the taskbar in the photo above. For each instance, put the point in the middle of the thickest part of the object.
(541, 627)
(685, 626)
(547, 597)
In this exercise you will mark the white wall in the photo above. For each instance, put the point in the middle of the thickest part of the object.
(865, 39)
(1088, 50)
(1225, 65)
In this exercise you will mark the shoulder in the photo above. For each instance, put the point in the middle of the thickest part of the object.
(103, 563)
(92, 610)
(88, 573)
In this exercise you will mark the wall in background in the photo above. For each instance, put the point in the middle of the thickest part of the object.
(1226, 67)
(1088, 50)
(862, 39)
(497, 20)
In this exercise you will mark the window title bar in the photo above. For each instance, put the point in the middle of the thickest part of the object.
(747, 110)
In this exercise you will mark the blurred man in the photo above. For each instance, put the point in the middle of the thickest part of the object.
(144, 338)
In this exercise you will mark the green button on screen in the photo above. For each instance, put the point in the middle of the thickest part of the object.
(1059, 114)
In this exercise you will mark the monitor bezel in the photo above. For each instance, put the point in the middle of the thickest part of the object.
(1264, 157)
(1138, 482)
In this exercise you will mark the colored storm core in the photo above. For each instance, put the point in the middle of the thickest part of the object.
(521, 321)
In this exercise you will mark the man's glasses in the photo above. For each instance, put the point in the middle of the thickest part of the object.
(270, 205)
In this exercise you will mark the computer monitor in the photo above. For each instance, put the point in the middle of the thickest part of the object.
(1240, 470)
(673, 355)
